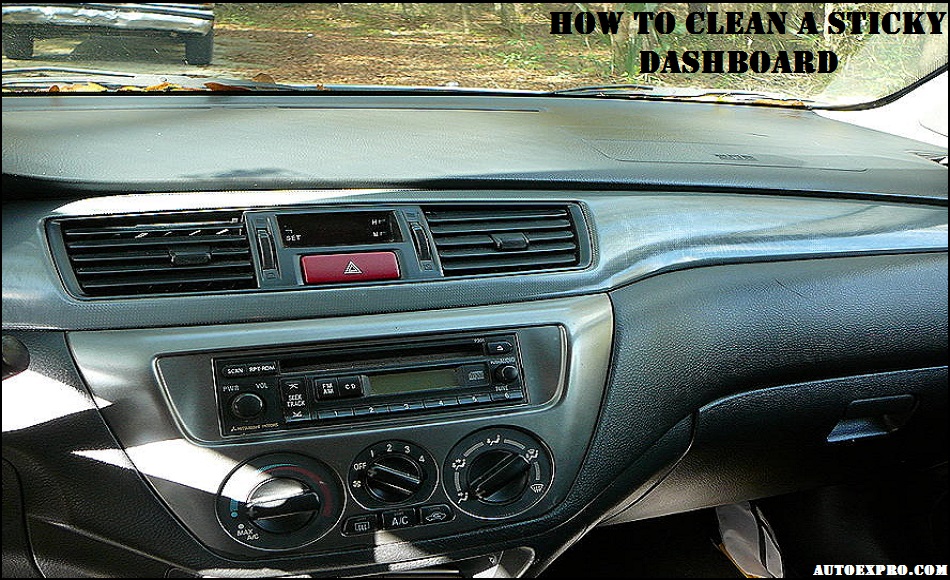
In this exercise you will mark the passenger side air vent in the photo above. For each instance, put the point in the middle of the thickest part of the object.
(504, 239)
(159, 253)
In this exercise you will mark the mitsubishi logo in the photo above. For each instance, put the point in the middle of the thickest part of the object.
(352, 268)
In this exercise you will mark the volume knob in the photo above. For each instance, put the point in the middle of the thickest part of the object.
(507, 373)
(247, 406)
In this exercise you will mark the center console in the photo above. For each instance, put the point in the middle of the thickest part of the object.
(360, 433)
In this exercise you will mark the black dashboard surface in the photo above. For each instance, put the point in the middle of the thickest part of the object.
(160, 143)
(754, 271)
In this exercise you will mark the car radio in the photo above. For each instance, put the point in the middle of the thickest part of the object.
(310, 387)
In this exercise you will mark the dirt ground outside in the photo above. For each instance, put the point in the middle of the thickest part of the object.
(354, 44)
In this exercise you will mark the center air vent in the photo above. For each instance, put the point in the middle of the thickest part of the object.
(499, 239)
(159, 253)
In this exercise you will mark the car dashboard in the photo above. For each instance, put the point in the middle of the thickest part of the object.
(365, 334)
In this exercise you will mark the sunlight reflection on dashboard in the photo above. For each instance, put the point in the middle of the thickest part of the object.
(177, 461)
(178, 201)
(31, 399)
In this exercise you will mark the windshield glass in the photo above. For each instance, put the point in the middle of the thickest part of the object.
(819, 53)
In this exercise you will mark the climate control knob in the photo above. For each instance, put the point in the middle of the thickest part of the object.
(498, 472)
(390, 473)
(393, 478)
(498, 477)
(282, 505)
(280, 501)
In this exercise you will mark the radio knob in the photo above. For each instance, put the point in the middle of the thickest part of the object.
(393, 478)
(507, 373)
(247, 406)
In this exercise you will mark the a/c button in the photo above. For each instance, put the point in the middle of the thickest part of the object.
(397, 519)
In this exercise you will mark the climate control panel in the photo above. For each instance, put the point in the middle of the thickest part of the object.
(284, 501)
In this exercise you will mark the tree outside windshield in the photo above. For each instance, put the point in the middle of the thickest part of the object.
(514, 46)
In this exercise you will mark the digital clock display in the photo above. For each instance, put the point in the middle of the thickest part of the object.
(309, 230)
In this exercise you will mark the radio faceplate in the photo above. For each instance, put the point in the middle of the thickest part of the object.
(306, 387)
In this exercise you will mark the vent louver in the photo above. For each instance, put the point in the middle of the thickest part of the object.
(159, 253)
(487, 240)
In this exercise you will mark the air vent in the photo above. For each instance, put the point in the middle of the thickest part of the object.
(488, 240)
(159, 253)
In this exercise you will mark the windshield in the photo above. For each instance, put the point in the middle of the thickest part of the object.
(820, 53)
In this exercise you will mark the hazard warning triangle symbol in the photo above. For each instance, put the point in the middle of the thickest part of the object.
(352, 268)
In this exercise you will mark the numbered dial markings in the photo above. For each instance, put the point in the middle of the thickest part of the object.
(498, 473)
(392, 473)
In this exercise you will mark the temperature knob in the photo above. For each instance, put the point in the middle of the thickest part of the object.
(282, 505)
(280, 501)
(498, 473)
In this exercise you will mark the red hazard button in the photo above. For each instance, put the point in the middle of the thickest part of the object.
(362, 267)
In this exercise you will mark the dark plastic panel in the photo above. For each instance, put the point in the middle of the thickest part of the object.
(775, 441)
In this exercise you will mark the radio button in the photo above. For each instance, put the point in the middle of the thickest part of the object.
(326, 389)
(261, 368)
(399, 408)
(296, 415)
(467, 399)
(294, 395)
(474, 375)
(499, 347)
(234, 371)
(293, 386)
(515, 395)
(439, 403)
(344, 413)
(483, 397)
(350, 386)
(326, 415)
(371, 410)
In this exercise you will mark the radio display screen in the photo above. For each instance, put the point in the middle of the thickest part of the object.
(306, 230)
(410, 382)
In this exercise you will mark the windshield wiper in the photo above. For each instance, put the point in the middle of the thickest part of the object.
(647, 92)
